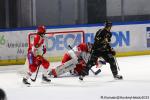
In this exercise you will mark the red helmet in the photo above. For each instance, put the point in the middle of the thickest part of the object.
(41, 29)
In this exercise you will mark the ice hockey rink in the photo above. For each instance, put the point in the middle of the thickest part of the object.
(136, 82)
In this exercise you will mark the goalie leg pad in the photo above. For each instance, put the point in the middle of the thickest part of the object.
(66, 67)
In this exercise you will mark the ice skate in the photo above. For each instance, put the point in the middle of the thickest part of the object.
(45, 79)
(81, 77)
(25, 81)
(118, 77)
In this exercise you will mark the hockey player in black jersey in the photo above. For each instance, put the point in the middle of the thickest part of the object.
(102, 48)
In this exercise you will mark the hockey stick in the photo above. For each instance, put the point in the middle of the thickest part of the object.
(95, 73)
(37, 71)
(36, 74)
(116, 63)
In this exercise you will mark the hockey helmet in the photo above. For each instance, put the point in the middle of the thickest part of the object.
(41, 29)
(108, 23)
(2, 94)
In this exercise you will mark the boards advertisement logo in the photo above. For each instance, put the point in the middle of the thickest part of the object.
(120, 39)
(61, 42)
(18, 45)
(148, 36)
(2, 40)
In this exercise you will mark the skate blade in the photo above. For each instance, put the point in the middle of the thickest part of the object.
(27, 85)
(118, 78)
(44, 82)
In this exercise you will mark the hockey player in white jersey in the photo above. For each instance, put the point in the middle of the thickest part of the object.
(74, 61)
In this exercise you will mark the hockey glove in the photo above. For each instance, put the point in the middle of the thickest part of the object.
(113, 52)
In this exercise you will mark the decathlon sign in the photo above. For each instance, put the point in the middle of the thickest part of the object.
(61, 41)
(121, 38)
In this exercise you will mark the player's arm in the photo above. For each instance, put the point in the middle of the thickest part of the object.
(38, 41)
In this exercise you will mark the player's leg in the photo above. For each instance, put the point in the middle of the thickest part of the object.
(78, 69)
(110, 59)
(25, 79)
(91, 62)
(65, 58)
(56, 71)
(64, 68)
(45, 76)
(32, 69)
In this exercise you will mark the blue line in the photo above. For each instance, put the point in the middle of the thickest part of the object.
(74, 26)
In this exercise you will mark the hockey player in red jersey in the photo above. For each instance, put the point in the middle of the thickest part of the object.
(35, 58)
(74, 61)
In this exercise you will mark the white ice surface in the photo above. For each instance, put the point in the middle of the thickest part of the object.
(135, 70)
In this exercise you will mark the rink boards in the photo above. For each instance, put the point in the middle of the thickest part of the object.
(127, 39)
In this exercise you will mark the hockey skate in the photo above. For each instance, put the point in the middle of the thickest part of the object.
(25, 81)
(118, 77)
(81, 77)
(45, 79)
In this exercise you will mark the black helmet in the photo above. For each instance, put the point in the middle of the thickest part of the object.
(2, 95)
(108, 23)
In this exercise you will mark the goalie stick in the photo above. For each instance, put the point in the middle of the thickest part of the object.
(94, 72)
